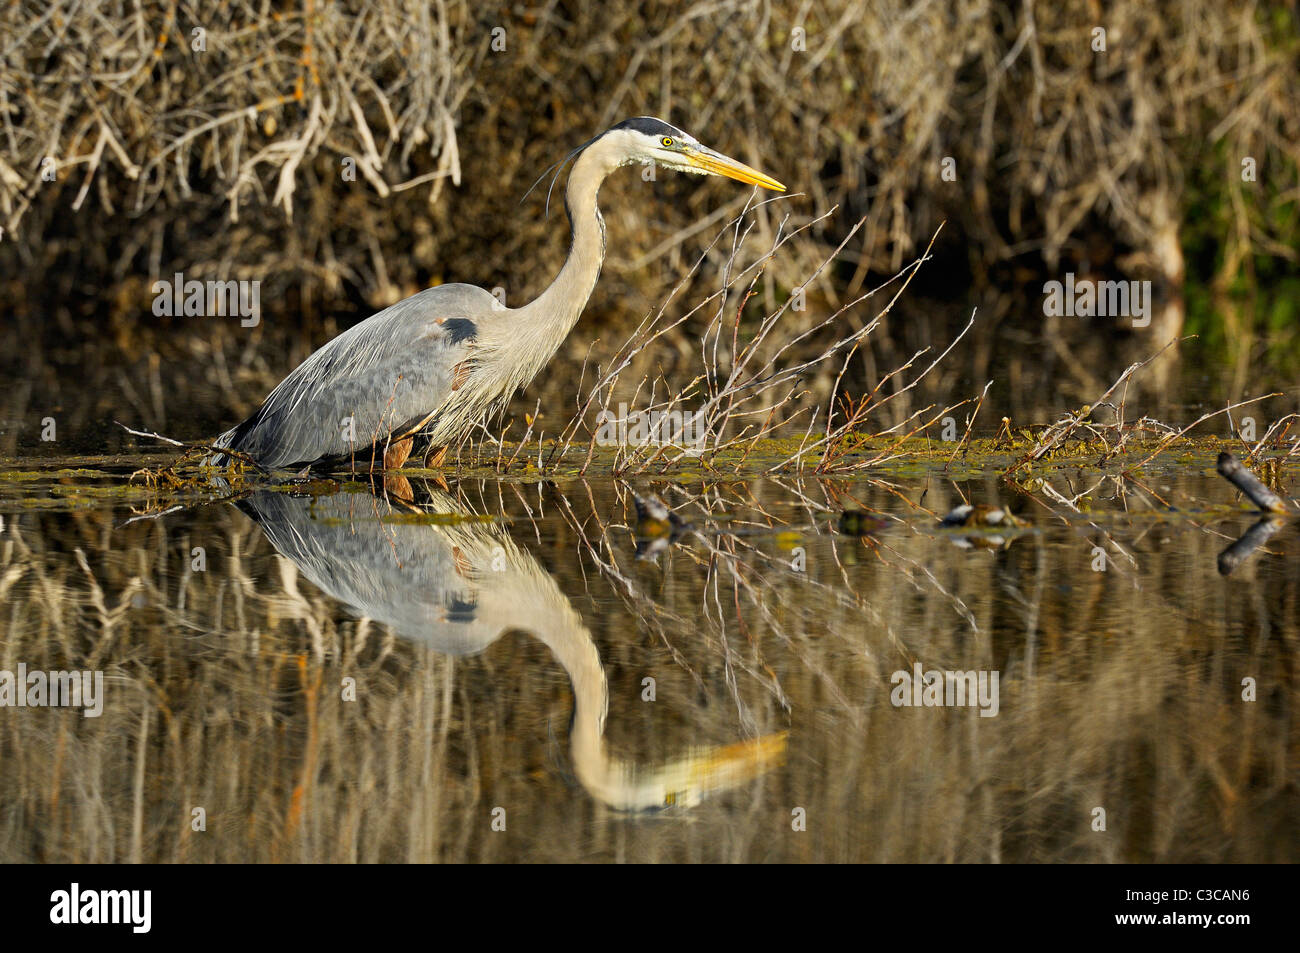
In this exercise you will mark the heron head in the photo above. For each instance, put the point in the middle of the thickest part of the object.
(646, 139)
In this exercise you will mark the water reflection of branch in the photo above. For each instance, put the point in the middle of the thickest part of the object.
(849, 596)
(1072, 505)
(1245, 546)
(732, 555)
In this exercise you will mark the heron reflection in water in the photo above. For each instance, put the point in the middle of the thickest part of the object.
(459, 584)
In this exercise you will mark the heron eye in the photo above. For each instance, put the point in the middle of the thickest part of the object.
(667, 140)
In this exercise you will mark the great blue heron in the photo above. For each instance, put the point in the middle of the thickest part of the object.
(458, 585)
(449, 356)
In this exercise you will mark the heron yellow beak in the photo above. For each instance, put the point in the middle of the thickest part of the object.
(718, 164)
(723, 768)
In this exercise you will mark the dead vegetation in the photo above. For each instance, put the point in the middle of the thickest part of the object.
(228, 162)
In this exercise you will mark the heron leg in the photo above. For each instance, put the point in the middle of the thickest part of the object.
(433, 459)
(397, 452)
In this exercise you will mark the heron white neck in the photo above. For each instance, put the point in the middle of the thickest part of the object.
(552, 315)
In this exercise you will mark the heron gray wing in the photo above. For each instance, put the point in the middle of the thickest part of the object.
(381, 377)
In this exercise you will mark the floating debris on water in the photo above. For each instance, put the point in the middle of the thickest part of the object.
(978, 519)
(981, 515)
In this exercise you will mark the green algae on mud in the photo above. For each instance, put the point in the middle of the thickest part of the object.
(156, 479)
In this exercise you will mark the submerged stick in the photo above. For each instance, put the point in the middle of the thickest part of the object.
(1232, 470)
(194, 447)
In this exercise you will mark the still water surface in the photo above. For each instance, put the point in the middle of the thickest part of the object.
(504, 671)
